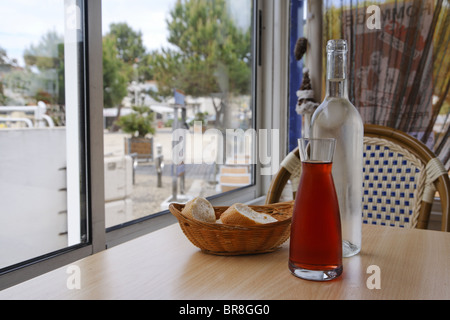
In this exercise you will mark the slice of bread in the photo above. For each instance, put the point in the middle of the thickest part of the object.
(200, 209)
(242, 215)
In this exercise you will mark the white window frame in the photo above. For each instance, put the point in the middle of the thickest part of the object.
(272, 75)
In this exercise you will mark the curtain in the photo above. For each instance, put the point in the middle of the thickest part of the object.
(399, 64)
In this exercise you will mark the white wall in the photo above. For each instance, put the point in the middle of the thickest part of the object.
(33, 195)
(32, 206)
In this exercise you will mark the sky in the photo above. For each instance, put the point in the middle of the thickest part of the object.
(144, 15)
(19, 28)
(23, 22)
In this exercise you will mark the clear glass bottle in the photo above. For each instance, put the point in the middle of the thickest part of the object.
(338, 118)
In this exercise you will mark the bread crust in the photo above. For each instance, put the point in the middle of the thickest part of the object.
(200, 209)
(232, 216)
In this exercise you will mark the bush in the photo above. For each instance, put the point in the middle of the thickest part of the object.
(139, 123)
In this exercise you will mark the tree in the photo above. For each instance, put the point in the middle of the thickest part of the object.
(48, 57)
(131, 50)
(128, 41)
(211, 55)
(123, 49)
(47, 54)
(114, 79)
(6, 65)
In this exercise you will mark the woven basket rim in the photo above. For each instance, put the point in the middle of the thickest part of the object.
(176, 208)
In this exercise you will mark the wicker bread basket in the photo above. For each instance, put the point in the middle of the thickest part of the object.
(221, 239)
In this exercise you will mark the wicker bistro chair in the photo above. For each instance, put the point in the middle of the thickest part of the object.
(401, 177)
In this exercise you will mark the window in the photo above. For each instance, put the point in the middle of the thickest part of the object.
(42, 157)
(179, 103)
(62, 182)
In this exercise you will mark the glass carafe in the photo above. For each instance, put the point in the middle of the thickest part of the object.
(315, 251)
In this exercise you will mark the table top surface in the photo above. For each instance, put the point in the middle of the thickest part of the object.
(409, 264)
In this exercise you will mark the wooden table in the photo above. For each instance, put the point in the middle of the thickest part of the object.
(413, 264)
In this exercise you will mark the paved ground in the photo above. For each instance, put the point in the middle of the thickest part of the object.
(147, 197)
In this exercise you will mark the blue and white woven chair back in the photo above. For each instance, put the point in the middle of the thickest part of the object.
(401, 177)
(393, 181)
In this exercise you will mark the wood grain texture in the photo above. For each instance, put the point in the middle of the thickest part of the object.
(414, 264)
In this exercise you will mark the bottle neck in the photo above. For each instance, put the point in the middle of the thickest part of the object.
(337, 74)
(337, 88)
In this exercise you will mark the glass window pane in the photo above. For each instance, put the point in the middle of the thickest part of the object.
(178, 108)
(42, 180)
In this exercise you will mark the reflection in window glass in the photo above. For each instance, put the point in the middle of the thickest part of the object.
(178, 107)
(41, 206)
